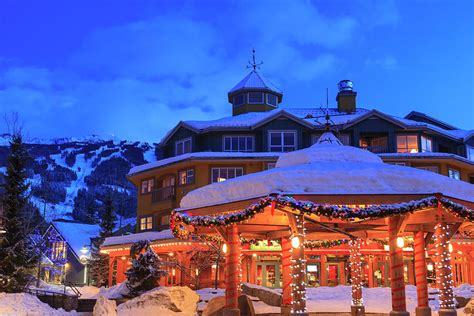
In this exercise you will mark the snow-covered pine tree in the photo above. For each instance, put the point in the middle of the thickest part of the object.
(145, 272)
(17, 254)
(99, 263)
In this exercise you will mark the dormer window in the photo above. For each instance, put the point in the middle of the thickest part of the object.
(239, 99)
(183, 146)
(272, 99)
(256, 98)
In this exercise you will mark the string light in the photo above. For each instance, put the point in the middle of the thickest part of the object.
(444, 277)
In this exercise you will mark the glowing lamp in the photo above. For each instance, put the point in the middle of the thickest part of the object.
(224, 248)
(386, 247)
(197, 272)
(123, 257)
(84, 250)
(171, 254)
(173, 272)
(66, 265)
(400, 242)
(254, 255)
(295, 242)
(430, 267)
(450, 247)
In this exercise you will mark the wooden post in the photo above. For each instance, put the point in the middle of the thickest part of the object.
(423, 308)
(232, 276)
(370, 275)
(286, 275)
(357, 303)
(399, 306)
(444, 280)
(298, 267)
(324, 272)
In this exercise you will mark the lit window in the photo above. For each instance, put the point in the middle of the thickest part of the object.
(426, 144)
(146, 223)
(147, 186)
(222, 174)
(239, 99)
(282, 141)
(255, 98)
(407, 144)
(272, 99)
(239, 143)
(271, 165)
(186, 177)
(429, 168)
(183, 146)
(454, 174)
(58, 250)
(165, 220)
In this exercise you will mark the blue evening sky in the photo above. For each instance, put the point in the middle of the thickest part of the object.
(135, 68)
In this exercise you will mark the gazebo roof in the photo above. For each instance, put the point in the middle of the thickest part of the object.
(329, 168)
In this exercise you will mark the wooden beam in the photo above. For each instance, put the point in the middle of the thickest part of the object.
(222, 232)
(428, 237)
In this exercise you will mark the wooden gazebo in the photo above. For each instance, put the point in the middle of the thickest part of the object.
(331, 192)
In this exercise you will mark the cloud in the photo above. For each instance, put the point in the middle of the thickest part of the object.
(386, 63)
(136, 80)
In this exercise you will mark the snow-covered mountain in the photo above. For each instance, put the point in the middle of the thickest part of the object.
(71, 177)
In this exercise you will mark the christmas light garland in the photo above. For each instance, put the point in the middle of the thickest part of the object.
(308, 207)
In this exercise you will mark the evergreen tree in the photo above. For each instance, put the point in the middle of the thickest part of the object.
(145, 272)
(99, 263)
(17, 255)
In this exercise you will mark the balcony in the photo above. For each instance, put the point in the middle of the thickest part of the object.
(163, 194)
(376, 149)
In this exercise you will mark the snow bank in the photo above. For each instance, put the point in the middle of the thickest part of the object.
(105, 307)
(329, 169)
(27, 304)
(177, 300)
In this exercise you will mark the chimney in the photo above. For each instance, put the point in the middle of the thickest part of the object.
(346, 97)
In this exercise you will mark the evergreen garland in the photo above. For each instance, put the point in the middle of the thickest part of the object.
(180, 221)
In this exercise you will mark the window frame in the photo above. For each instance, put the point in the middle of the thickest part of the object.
(268, 103)
(186, 170)
(146, 223)
(470, 152)
(243, 95)
(424, 139)
(163, 216)
(269, 139)
(183, 141)
(238, 136)
(407, 148)
(262, 99)
(450, 169)
(152, 187)
(212, 168)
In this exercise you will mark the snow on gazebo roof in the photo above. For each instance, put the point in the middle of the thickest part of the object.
(328, 167)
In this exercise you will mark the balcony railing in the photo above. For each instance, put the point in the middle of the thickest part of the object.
(376, 149)
(162, 194)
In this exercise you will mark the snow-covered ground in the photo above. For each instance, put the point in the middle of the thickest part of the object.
(27, 305)
(182, 301)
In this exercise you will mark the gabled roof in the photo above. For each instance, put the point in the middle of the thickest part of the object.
(313, 118)
(77, 235)
(254, 81)
(434, 120)
(246, 121)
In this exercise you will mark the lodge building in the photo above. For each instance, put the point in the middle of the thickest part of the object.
(196, 153)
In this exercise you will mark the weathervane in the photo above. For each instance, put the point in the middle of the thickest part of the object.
(254, 64)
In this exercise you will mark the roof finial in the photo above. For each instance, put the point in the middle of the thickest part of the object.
(254, 64)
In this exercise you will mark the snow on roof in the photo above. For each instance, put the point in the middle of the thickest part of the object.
(329, 169)
(130, 239)
(254, 81)
(313, 116)
(77, 235)
(202, 155)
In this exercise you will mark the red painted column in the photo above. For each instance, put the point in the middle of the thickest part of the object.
(286, 274)
(232, 275)
(420, 275)
(399, 306)
(444, 279)
(357, 305)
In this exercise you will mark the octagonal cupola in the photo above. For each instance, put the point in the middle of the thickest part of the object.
(254, 93)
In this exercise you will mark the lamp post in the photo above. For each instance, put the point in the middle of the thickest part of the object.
(85, 259)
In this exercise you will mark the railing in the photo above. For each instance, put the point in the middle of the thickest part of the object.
(376, 149)
(162, 194)
(73, 288)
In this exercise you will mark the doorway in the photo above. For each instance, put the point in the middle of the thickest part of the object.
(268, 274)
